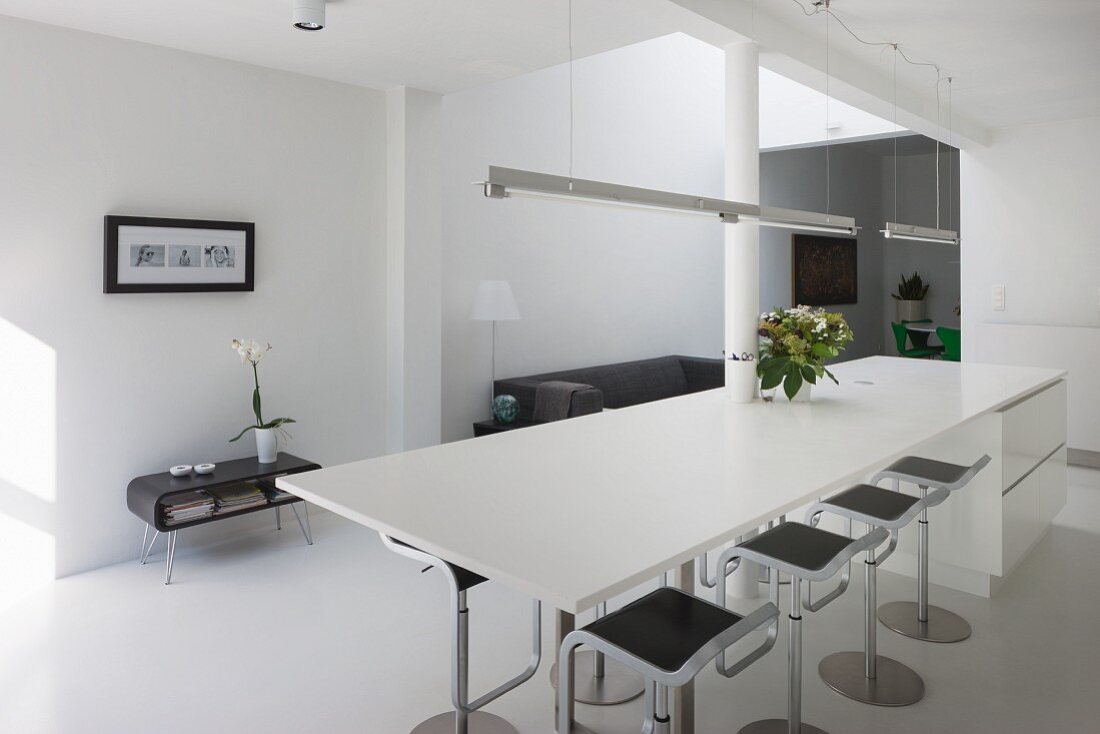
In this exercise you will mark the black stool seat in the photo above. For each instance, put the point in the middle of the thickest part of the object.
(885, 504)
(466, 579)
(935, 472)
(665, 627)
(798, 545)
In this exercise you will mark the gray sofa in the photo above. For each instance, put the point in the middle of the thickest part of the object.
(621, 385)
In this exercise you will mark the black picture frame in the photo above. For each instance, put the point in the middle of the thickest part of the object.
(186, 283)
(824, 270)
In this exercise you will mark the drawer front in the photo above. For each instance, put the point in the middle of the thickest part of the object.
(1020, 518)
(1053, 481)
(1033, 429)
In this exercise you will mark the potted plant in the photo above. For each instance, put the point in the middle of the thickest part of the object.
(266, 440)
(910, 298)
(795, 343)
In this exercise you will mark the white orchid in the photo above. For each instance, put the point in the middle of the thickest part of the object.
(251, 352)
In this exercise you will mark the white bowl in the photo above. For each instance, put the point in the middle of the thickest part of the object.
(204, 468)
(180, 471)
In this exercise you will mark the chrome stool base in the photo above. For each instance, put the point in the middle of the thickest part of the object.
(778, 726)
(942, 625)
(619, 683)
(479, 722)
(894, 684)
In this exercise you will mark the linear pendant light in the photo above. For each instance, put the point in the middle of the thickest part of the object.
(515, 183)
(894, 230)
(506, 183)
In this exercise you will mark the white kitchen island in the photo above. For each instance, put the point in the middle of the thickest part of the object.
(578, 511)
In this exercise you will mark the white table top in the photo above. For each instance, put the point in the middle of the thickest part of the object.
(578, 511)
(925, 327)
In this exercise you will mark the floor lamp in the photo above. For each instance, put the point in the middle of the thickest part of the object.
(494, 302)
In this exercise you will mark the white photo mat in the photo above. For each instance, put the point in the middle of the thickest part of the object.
(181, 255)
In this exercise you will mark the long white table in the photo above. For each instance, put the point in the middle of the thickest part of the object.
(576, 512)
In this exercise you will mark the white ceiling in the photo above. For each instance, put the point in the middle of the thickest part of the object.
(436, 45)
(1014, 61)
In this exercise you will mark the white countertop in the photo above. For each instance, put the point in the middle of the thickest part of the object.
(577, 511)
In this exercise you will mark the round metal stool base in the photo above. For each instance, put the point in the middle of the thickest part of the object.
(942, 625)
(778, 726)
(618, 685)
(894, 684)
(479, 722)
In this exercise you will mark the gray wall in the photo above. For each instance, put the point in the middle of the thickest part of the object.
(862, 185)
(796, 179)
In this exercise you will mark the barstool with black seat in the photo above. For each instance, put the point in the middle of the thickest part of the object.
(921, 620)
(804, 553)
(466, 718)
(667, 637)
(867, 676)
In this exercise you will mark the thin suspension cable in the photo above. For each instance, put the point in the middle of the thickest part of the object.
(951, 160)
(828, 136)
(570, 88)
(823, 7)
(895, 133)
(938, 136)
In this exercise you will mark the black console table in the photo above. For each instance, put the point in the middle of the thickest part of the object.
(491, 426)
(146, 497)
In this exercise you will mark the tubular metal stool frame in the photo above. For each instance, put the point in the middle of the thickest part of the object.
(598, 683)
(800, 599)
(867, 676)
(921, 620)
(466, 718)
(658, 679)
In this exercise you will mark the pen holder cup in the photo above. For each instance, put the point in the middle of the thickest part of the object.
(741, 381)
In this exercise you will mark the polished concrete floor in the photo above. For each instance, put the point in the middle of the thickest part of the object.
(262, 634)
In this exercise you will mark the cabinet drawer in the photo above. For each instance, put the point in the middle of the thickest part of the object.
(1020, 520)
(1033, 428)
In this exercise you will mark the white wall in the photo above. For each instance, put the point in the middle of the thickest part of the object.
(594, 285)
(1028, 208)
(95, 126)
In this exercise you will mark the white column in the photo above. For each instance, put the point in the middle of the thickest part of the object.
(743, 240)
(414, 310)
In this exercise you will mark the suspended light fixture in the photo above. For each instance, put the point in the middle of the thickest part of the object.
(895, 230)
(506, 183)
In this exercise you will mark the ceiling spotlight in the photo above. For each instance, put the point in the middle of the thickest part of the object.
(309, 15)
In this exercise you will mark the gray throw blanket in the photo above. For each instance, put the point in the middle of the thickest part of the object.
(554, 398)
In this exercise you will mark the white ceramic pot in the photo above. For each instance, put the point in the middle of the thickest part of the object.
(267, 445)
(741, 381)
(910, 310)
(803, 394)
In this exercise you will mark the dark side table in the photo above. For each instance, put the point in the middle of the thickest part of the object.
(489, 427)
(147, 496)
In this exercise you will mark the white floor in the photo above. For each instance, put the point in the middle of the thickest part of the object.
(263, 634)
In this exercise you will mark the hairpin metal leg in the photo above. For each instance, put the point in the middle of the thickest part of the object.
(146, 551)
(306, 530)
(598, 681)
(793, 723)
(867, 676)
(171, 557)
(278, 518)
(921, 620)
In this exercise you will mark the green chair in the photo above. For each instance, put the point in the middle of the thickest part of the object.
(919, 339)
(952, 342)
(901, 335)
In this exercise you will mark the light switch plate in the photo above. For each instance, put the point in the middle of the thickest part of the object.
(998, 298)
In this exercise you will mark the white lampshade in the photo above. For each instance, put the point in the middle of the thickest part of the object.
(494, 302)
